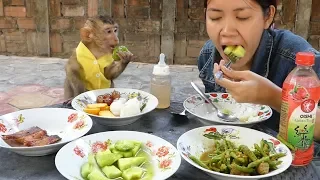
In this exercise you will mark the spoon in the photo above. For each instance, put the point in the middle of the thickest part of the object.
(223, 116)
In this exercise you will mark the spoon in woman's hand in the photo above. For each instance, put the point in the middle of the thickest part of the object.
(223, 116)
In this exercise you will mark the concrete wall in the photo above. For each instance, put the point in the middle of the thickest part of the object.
(147, 27)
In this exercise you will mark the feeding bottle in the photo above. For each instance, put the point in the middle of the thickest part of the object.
(300, 97)
(160, 85)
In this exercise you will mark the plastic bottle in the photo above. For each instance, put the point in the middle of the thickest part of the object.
(300, 97)
(160, 85)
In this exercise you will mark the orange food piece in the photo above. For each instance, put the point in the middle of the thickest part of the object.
(94, 111)
(106, 114)
(105, 108)
(97, 105)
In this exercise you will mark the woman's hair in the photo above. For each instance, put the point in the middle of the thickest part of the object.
(265, 4)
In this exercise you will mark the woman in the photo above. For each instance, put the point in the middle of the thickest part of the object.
(270, 54)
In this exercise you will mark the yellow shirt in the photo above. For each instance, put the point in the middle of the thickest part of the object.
(92, 73)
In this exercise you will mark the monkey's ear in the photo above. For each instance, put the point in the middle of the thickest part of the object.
(85, 34)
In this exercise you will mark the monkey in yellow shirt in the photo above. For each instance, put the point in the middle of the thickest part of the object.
(91, 65)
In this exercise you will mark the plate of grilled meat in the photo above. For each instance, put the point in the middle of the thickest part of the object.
(42, 131)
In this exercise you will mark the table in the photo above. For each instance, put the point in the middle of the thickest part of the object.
(161, 123)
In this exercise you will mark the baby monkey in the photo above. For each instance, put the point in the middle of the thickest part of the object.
(91, 65)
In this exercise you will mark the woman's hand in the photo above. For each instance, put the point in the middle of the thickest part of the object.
(249, 87)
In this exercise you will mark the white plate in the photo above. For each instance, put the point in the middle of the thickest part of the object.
(205, 112)
(165, 157)
(77, 103)
(195, 143)
(66, 123)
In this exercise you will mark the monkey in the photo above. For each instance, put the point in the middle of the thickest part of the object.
(91, 65)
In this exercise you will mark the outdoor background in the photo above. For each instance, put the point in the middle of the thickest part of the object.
(50, 28)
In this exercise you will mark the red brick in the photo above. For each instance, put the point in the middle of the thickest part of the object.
(73, 10)
(138, 2)
(138, 12)
(315, 15)
(70, 36)
(155, 12)
(181, 44)
(60, 24)
(17, 2)
(68, 47)
(1, 8)
(315, 28)
(118, 2)
(196, 13)
(55, 8)
(182, 9)
(314, 41)
(7, 23)
(26, 23)
(196, 43)
(185, 60)
(32, 42)
(15, 11)
(288, 11)
(197, 4)
(93, 8)
(118, 10)
(70, 2)
(55, 43)
(149, 26)
(190, 27)
(104, 7)
(16, 42)
(79, 22)
(31, 8)
(193, 51)
(2, 43)
(142, 38)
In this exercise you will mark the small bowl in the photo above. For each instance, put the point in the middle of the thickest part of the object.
(193, 142)
(249, 114)
(68, 124)
(164, 157)
(91, 96)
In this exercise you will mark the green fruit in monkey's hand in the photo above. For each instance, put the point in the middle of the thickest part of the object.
(115, 55)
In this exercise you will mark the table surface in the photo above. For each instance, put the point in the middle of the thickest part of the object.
(161, 123)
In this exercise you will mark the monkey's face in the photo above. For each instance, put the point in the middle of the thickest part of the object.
(110, 36)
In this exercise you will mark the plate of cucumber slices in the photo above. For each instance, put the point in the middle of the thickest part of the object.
(119, 155)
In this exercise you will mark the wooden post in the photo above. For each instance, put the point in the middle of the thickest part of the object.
(168, 27)
(303, 18)
(41, 16)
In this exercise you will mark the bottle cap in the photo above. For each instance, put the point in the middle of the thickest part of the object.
(305, 58)
(161, 68)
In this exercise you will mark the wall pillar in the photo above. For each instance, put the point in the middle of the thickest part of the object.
(303, 16)
(167, 30)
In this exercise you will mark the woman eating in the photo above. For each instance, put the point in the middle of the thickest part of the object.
(269, 57)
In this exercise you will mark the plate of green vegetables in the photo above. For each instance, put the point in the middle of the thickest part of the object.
(232, 152)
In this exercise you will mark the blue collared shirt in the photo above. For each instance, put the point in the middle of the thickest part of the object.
(274, 59)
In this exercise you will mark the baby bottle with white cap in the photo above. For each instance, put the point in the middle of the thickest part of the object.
(161, 83)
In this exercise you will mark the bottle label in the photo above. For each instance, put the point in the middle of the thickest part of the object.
(297, 120)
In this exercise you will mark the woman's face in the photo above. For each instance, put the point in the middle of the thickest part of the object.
(236, 22)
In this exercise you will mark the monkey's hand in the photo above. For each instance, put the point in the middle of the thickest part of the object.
(117, 67)
(126, 57)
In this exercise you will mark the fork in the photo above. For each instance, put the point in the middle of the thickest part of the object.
(219, 74)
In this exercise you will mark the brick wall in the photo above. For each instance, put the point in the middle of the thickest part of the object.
(51, 27)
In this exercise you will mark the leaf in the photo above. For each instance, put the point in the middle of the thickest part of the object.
(295, 88)
(215, 136)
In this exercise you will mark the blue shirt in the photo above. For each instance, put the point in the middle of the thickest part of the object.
(274, 59)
